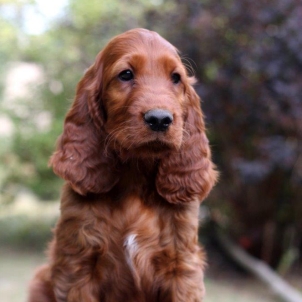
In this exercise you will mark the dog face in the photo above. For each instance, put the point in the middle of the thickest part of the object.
(136, 101)
(144, 94)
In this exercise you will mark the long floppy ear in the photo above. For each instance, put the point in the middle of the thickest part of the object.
(189, 173)
(80, 157)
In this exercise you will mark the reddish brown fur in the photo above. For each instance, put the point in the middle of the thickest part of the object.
(129, 208)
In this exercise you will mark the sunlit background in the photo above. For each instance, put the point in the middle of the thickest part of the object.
(247, 57)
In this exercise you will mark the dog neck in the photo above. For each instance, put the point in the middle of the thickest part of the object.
(137, 176)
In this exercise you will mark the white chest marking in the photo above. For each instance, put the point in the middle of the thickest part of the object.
(131, 249)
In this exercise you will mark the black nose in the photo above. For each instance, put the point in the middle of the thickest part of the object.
(158, 119)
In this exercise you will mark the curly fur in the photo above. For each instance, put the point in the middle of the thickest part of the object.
(129, 208)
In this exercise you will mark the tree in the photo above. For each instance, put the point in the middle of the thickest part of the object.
(247, 58)
(248, 61)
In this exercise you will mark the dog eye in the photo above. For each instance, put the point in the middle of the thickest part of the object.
(175, 77)
(126, 75)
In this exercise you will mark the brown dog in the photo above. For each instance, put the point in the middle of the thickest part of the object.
(137, 163)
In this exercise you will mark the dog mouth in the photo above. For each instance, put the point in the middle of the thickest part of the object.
(155, 147)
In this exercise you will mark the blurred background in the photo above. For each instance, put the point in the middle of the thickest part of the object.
(247, 57)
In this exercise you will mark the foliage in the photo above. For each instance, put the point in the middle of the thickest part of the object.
(249, 64)
(247, 58)
(21, 232)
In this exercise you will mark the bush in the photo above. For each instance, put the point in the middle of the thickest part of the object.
(249, 63)
(21, 232)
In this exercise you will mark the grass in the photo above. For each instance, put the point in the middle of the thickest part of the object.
(237, 290)
(16, 270)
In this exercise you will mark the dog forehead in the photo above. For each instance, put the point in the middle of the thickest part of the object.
(141, 50)
(137, 41)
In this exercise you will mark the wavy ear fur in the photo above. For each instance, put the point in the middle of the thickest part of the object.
(188, 173)
(80, 157)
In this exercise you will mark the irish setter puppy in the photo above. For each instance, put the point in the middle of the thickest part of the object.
(137, 164)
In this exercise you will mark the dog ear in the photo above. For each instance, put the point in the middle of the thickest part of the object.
(81, 157)
(188, 173)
